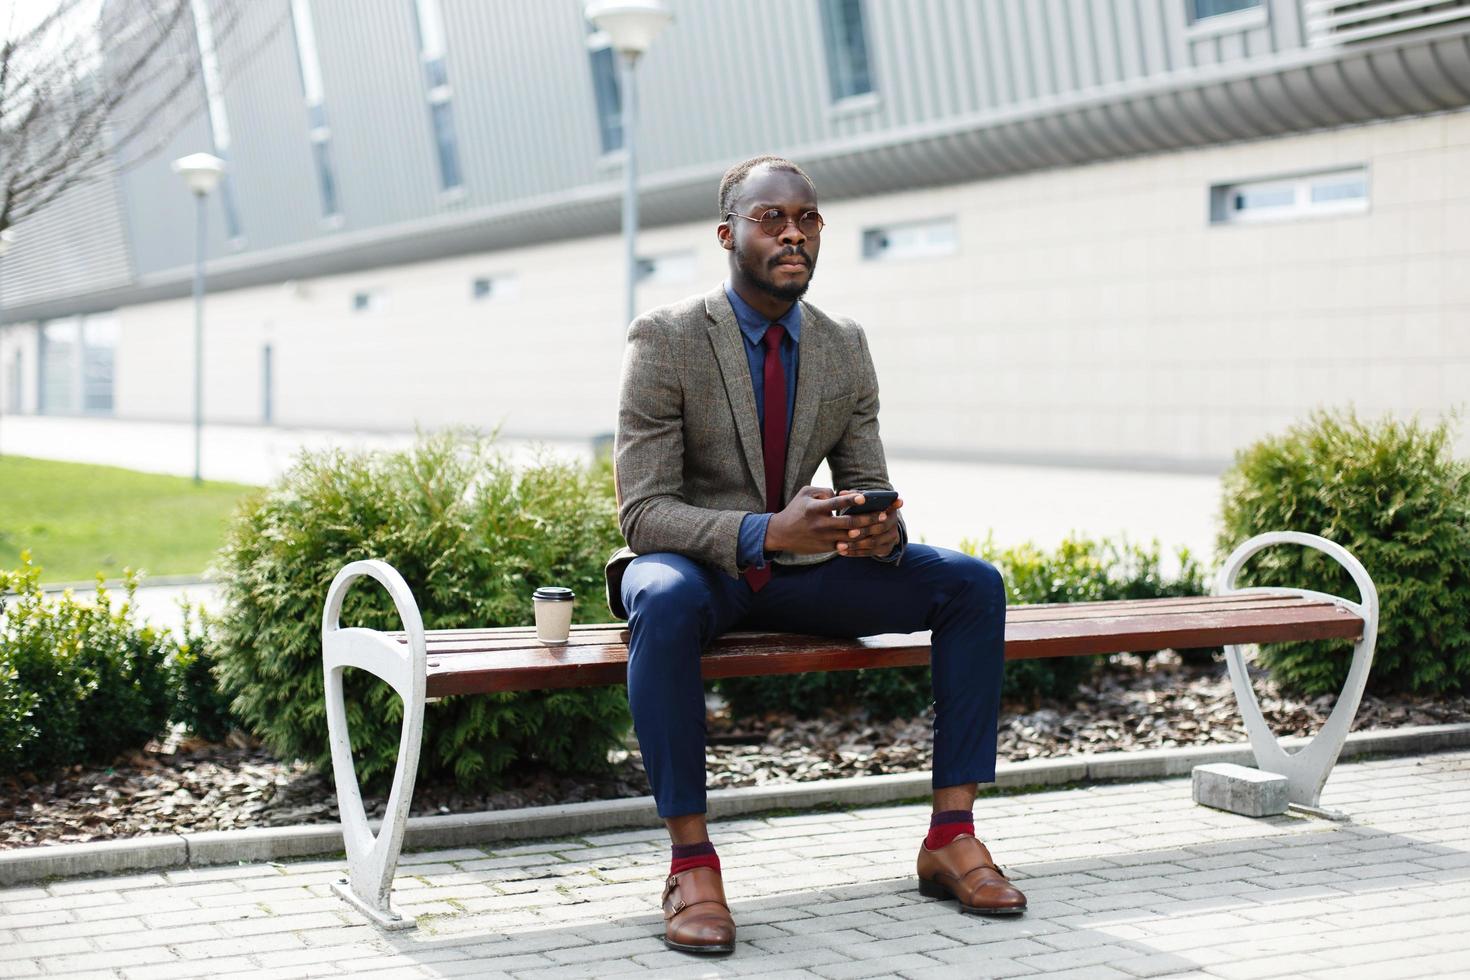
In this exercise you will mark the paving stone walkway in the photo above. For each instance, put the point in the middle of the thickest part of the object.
(1125, 880)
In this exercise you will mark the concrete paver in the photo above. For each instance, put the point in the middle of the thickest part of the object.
(1178, 891)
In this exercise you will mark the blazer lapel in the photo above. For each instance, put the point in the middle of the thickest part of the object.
(811, 368)
(724, 334)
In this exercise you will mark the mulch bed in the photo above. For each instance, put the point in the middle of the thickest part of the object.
(184, 786)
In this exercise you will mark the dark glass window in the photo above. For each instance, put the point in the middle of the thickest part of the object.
(321, 153)
(446, 143)
(77, 357)
(1214, 8)
(60, 343)
(227, 201)
(608, 92)
(267, 408)
(847, 48)
(97, 367)
(12, 391)
(435, 74)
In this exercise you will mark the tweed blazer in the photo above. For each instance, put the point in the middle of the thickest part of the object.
(687, 458)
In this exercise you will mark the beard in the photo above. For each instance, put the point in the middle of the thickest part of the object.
(760, 277)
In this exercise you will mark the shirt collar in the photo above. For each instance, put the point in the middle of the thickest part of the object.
(753, 325)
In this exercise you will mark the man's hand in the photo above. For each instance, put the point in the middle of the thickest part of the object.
(807, 526)
(875, 540)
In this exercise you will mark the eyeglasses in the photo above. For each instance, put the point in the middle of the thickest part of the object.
(774, 222)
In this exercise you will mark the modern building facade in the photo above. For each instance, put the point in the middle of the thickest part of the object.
(1133, 232)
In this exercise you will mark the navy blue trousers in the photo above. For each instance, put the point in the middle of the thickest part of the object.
(677, 606)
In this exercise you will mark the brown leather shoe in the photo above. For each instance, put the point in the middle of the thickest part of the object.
(696, 917)
(963, 869)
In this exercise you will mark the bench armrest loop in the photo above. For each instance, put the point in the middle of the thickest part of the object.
(372, 860)
(1306, 769)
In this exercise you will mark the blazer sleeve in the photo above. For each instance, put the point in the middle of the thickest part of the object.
(648, 458)
(857, 461)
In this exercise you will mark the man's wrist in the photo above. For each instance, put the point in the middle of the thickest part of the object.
(772, 541)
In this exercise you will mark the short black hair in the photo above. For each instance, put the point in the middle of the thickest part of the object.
(730, 183)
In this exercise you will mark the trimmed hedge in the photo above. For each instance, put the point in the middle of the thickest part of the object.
(1080, 570)
(200, 703)
(79, 681)
(472, 537)
(1392, 494)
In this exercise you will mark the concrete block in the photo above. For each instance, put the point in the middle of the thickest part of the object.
(1248, 792)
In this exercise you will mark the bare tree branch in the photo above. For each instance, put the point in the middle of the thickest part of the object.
(91, 90)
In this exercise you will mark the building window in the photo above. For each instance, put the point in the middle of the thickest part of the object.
(606, 90)
(442, 114)
(662, 270)
(499, 287)
(1202, 9)
(59, 359)
(321, 158)
(1336, 192)
(99, 350)
(429, 19)
(847, 48)
(911, 240)
(267, 383)
(77, 357)
(318, 132)
(12, 387)
(370, 301)
(214, 107)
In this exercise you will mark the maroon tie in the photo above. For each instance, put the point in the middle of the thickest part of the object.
(773, 438)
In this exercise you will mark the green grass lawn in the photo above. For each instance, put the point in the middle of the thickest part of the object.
(78, 520)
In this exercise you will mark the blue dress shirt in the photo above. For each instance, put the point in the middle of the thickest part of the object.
(751, 548)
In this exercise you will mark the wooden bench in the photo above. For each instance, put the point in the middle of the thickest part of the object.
(423, 665)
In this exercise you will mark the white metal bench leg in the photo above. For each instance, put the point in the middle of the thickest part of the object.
(1307, 769)
(371, 861)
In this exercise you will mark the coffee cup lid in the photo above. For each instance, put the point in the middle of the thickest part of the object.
(554, 593)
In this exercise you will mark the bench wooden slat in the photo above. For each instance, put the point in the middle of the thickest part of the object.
(454, 642)
(477, 661)
(503, 638)
(1037, 611)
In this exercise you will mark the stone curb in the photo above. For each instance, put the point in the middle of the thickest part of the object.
(430, 833)
(115, 584)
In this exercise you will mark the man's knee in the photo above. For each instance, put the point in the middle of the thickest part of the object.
(980, 582)
(666, 590)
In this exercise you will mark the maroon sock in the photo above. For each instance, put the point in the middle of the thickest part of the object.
(947, 825)
(701, 855)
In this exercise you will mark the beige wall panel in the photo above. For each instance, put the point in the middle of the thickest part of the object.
(1091, 312)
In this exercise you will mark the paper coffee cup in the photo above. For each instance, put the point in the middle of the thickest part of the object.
(553, 613)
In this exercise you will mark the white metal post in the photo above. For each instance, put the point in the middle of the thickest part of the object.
(198, 331)
(630, 193)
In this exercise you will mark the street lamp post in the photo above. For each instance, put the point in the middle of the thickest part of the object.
(7, 239)
(631, 26)
(201, 173)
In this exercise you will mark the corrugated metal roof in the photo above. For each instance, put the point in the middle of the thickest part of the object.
(964, 90)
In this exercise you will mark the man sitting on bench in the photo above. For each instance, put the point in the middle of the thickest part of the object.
(729, 403)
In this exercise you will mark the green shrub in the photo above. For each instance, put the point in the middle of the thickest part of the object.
(1080, 570)
(79, 681)
(1083, 570)
(473, 538)
(1392, 495)
(200, 704)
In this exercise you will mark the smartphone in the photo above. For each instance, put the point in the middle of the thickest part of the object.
(873, 500)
